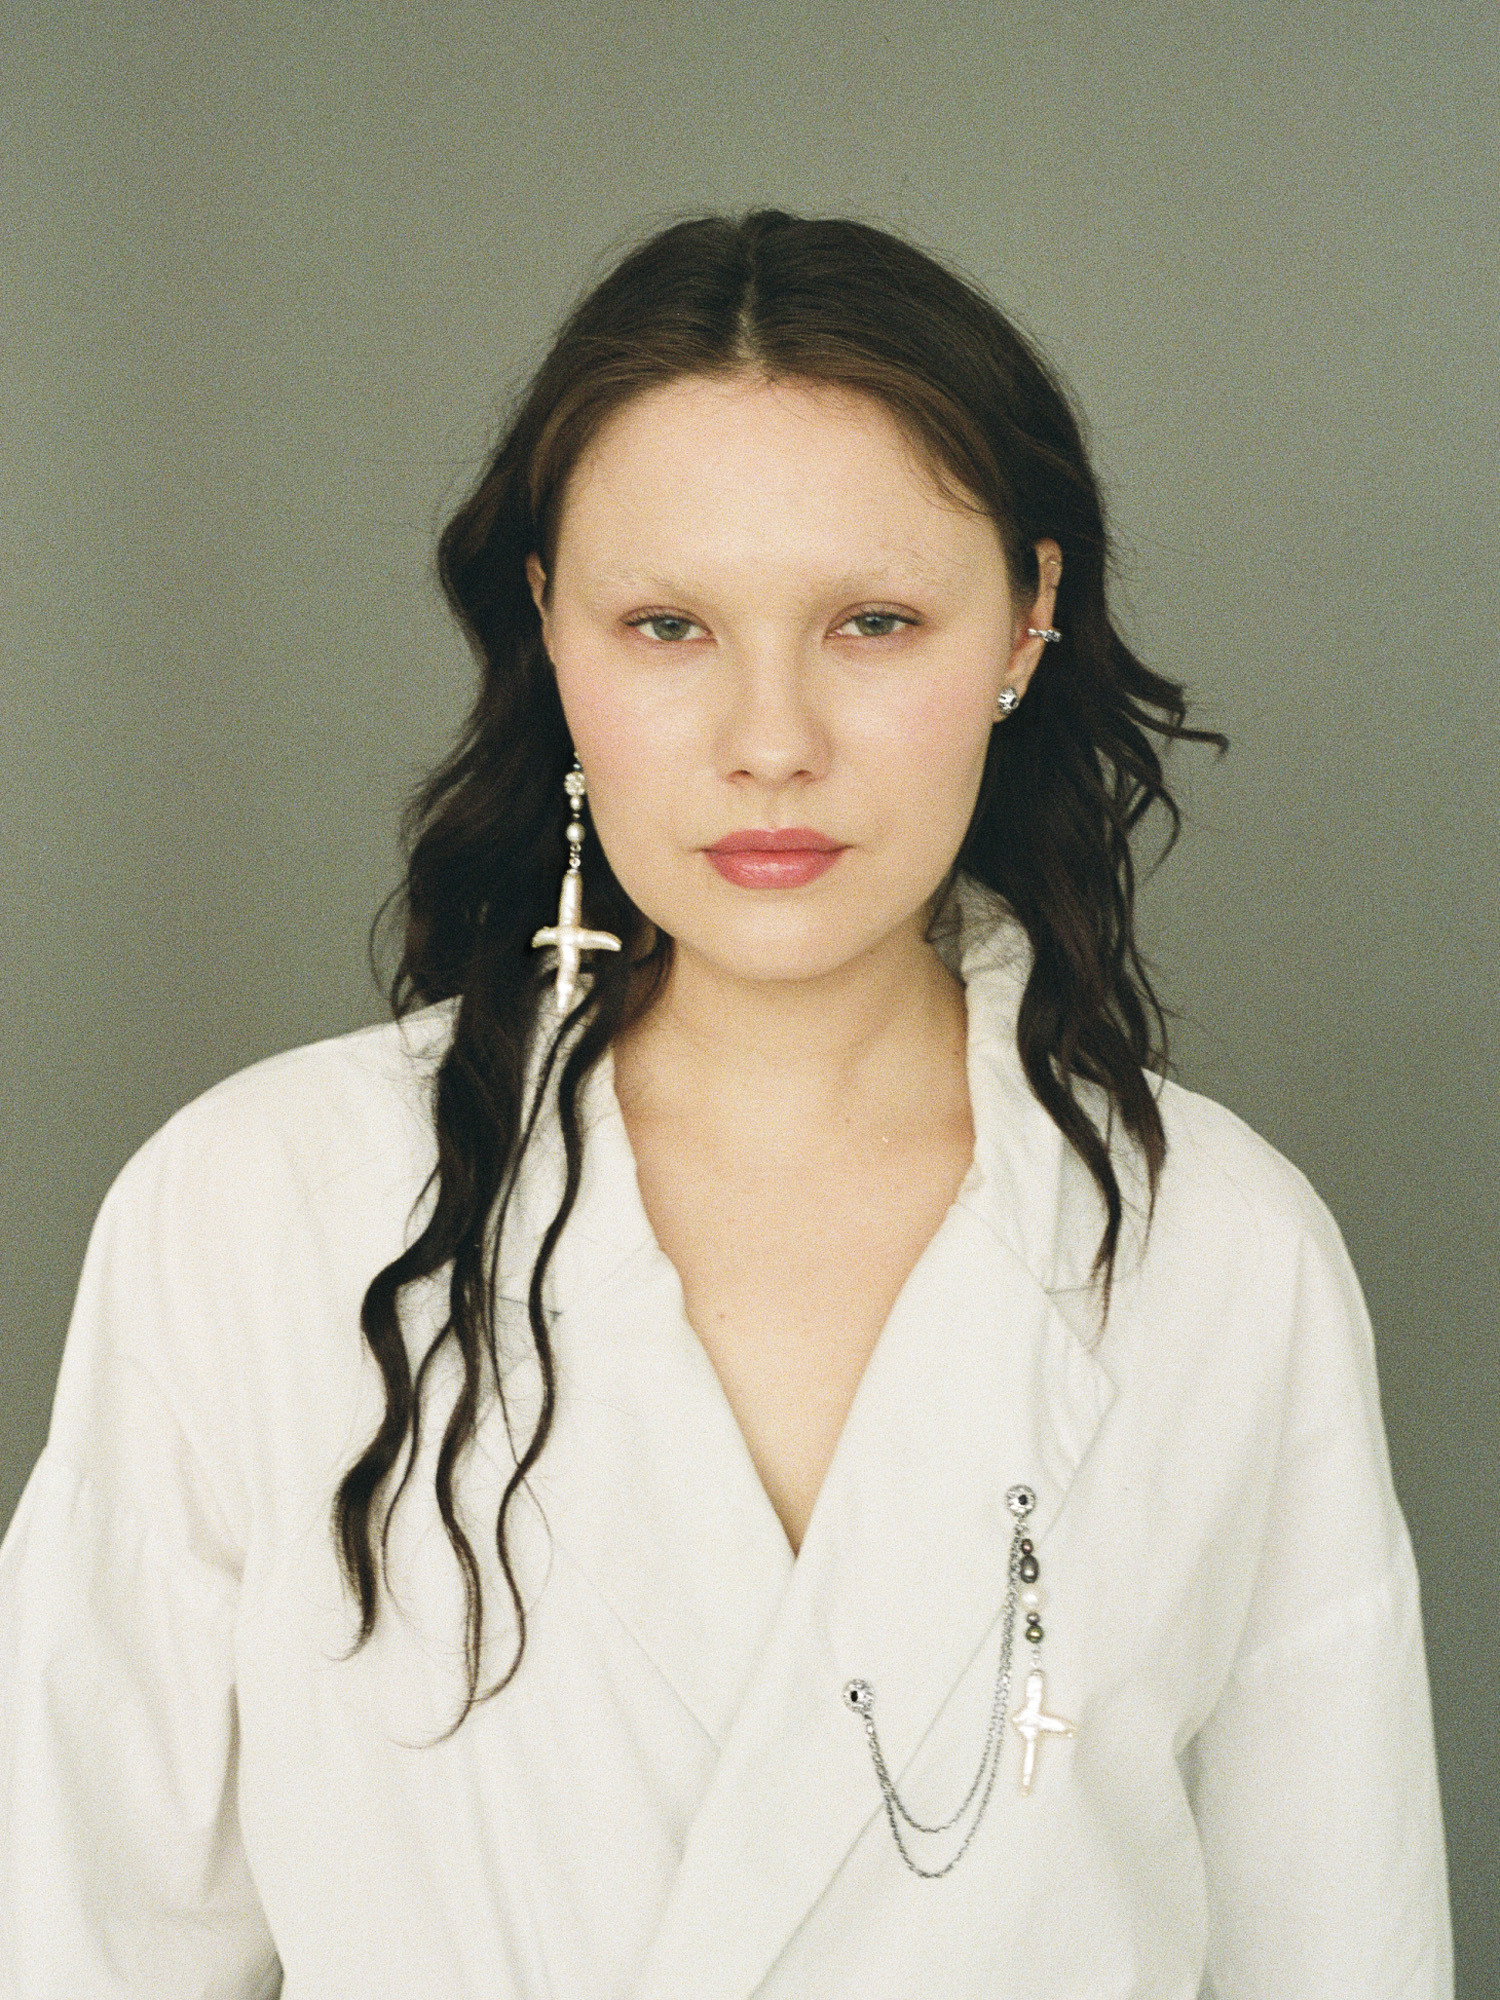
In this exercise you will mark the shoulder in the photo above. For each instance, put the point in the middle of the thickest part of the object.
(381, 1071)
(314, 1115)
(224, 1272)
(1221, 1173)
(1244, 1259)
(304, 1168)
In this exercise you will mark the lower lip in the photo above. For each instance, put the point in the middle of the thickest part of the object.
(760, 868)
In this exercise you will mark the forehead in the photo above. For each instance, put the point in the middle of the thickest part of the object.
(721, 468)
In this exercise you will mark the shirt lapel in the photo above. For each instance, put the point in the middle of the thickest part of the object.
(645, 1483)
(982, 1377)
(978, 1381)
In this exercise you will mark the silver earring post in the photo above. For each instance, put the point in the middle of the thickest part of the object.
(1007, 702)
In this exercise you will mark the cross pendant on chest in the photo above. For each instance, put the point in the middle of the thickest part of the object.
(1032, 1723)
(569, 939)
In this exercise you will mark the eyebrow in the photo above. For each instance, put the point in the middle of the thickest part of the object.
(855, 582)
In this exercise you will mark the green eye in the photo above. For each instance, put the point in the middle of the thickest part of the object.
(679, 627)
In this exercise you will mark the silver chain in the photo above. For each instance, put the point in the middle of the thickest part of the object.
(860, 1696)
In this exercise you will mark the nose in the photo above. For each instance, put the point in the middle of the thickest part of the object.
(773, 731)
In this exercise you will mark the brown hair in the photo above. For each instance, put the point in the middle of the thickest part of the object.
(1067, 779)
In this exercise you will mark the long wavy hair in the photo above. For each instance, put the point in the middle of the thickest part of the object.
(1067, 779)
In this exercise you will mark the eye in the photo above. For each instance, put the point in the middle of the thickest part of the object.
(677, 626)
(877, 624)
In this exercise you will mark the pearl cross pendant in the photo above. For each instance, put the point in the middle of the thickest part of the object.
(569, 939)
(1032, 1723)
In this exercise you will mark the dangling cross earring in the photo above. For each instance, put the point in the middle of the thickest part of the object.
(566, 936)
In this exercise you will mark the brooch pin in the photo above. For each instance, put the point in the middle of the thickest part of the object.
(1031, 1721)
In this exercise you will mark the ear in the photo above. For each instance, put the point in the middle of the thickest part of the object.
(1025, 650)
(536, 577)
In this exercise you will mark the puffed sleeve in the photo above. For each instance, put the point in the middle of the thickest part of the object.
(1314, 1781)
(121, 1865)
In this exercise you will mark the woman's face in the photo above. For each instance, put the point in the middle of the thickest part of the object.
(766, 619)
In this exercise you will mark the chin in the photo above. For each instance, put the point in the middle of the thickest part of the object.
(785, 944)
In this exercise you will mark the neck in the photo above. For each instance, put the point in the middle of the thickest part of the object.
(877, 1030)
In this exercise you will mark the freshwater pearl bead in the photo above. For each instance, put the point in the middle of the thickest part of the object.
(1031, 1599)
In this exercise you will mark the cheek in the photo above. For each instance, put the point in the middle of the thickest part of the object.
(930, 754)
(633, 756)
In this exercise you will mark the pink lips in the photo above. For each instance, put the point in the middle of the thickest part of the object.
(774, 858)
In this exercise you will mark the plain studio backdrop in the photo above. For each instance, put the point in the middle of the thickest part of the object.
(269, 276)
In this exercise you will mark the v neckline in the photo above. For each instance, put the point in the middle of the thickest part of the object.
(851, 1367)
(1013, 1179)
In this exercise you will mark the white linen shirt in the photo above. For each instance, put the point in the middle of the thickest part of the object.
(203, 1796)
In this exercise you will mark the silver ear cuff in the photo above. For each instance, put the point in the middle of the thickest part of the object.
(1048, 634)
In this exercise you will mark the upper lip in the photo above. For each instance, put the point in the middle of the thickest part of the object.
(776, 840)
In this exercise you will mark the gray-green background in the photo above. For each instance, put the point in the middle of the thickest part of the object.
(268, 274)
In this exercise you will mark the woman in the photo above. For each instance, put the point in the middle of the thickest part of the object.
(850, 1484)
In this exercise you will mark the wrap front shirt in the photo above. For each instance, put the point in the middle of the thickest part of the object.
(204, 1793)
